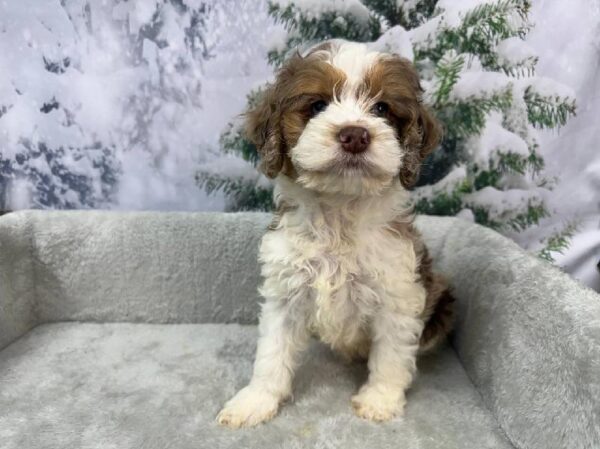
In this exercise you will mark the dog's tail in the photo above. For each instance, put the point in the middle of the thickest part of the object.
(438, 316)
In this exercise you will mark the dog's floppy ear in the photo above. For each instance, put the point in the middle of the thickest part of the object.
(263, 129)
(430, 130)
(418, 130)
(424, 138)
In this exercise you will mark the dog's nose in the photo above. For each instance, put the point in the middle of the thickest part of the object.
(354, 139)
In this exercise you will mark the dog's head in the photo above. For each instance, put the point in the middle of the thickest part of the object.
(343, 119)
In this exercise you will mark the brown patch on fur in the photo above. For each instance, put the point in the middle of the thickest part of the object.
(263, 130)
(275, 124)
(438, 313)
(395, 81)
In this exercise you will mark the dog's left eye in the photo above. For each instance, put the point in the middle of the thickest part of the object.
(317, 107)
(380, 109)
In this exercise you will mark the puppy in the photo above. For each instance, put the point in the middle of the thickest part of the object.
(343, 131)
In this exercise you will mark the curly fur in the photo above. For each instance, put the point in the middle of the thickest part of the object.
(342, 260)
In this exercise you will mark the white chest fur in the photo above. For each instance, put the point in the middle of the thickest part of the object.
(339, 263)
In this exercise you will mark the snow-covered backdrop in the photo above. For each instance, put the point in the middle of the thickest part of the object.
(567, 37)
(114, 104)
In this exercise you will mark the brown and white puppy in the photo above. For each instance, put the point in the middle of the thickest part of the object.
(343, 131)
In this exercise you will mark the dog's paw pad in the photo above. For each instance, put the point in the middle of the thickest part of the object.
(248, 408)
(375, 406)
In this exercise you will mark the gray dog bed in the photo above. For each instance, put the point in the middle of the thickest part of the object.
(130, 330)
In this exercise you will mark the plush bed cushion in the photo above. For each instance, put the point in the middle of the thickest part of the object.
(151, 386)
(526, 334)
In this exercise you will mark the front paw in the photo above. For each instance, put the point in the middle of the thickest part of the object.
(378, 403)
(251, 406)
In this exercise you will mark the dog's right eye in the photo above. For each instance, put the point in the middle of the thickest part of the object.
(317, 107)
(381, 109)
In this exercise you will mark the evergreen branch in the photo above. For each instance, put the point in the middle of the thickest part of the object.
(243, 194)
(482, 217)
(486, 178)
(558, 242)
(446, 74)
(535, 162)
(506, 163)
(548, 111)
(251, 198)
(468, 117)
(443, 202)
(403, 13)
(512, 162)
(213, 182)
(441, 60)
(480, 31)
(496, 15)
(232, 141)
(277, 57)
(517, 163)
(391, 12)
(441, 162)
(522, 68)
(419, 13)
(535, 211)
(328, 25)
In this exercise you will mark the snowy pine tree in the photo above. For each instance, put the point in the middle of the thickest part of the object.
(88, 84)
(479, 77)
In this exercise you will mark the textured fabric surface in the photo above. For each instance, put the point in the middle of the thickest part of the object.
(144, 267)
(100, 386)
(17, 287)
(527, 335)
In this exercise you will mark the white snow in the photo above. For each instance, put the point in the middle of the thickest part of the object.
(316, 8)
(455, 11)
(407, 5)
(583, 256)
(20, 191)
(159, 108)
(548, 87)
(232, 167)
(513, 51)
(461, 6)
(567, 39)
(451, 17)
(395, 40)
(479, 84)
(424, 35)
(503, 203)
(277, 40)
(106, 93)
(495, 139)
(467, 215)
(447, 184)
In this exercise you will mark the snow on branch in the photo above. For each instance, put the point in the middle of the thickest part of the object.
(316, 9)
(474, 27)
(549, 103)
(494, 143)
(516, 57)
(395, 40)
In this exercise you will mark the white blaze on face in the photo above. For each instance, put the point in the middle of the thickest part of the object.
(318, 149)
(354, 60)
